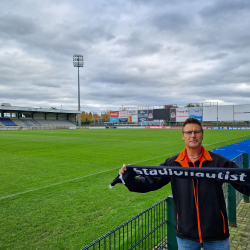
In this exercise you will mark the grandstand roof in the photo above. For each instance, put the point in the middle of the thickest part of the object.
(12, 109)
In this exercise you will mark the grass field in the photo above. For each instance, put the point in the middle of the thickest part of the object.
(54, 183)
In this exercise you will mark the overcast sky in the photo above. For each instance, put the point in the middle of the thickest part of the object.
(136, 52)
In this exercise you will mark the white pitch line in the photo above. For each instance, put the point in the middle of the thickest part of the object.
(55, 184)
(224, 140)
(75, 179)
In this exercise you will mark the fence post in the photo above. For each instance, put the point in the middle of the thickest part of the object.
(231, 206)
(246, 165)
(172, 242)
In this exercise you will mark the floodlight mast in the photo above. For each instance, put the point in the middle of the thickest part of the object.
(78, 62)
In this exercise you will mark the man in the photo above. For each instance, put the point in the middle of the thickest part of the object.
(200, 210)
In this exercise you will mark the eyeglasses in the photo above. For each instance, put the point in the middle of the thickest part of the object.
(196, 132)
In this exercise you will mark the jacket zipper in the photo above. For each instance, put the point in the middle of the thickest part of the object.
(177, 226)
(184, 163)
(197, 208)
(224, 227)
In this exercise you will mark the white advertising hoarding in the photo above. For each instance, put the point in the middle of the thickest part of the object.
(210, 114)
(225, 113)
(132, 116)
(123, 116)
(182, 114)
(196, 113)
(242, 113)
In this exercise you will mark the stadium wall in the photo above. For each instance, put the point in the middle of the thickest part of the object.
(210, 113)
(242, 113)
(226, 113)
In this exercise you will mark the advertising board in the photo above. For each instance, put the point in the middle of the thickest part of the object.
(242, 113)
(157, 127)
(225, 113)
(232, 128)
(114, 119)
(196, 113)
(132, 116)
(172, 115)
(150, 115)
(182, 114)
(123, 116)
(114, 116)
(142, 115)
(210, 114)
(114, 113)
(180, 127)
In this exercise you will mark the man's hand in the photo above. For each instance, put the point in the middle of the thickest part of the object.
(123, 169)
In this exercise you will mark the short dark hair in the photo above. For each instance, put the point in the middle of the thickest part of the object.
(192, 120)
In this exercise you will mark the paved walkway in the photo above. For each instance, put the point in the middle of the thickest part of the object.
(240, 235)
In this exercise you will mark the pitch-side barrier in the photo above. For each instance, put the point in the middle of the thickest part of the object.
(154, 228)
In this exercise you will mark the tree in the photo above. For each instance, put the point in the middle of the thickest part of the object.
(86, 118)
(192, 105)
(189, 105)
(103, 116)
(106, 115)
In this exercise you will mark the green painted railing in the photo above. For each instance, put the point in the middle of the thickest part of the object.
(147, 230)
(154, 228)
(233, 197)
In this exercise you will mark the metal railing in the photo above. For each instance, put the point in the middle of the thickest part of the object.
(10, 128)
(154, 228)
(233, 197)
(147, 230)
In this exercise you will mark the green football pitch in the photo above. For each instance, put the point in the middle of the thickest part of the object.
(54, 183)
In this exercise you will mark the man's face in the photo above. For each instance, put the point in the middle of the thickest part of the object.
(192, 140)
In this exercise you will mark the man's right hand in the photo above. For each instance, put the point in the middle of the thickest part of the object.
(123, 169)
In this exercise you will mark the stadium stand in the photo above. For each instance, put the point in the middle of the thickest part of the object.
(18, 122)
(15, 123)
(61, 123)
(30, 123)
(29, 118)
(7, 122)
(36, 123)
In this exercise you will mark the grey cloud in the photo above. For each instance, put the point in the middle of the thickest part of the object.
(169, 21)
(15, 25)
(217, 56)
(90, 34)
(46, 85)
(135, 46)
(27, 94)
(226, 7)
(227, 94)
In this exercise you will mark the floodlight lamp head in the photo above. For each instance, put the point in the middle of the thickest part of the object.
(78, 60)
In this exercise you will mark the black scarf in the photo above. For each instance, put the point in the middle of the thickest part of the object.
(230, 175)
